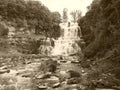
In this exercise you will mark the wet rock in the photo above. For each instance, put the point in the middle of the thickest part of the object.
(73, 73)
(50, 82)
(72, 87)
(11, 81)
(23, 83)
(63, 75)
(89, 85)
(75, 62)
(43, 76)
(73, 81)
(63, 61)
(7, 87)
(82, 71)
(83, 87)
(68, 62)
(85, 64)
(22, 72)
(61, 58)
(4, 71)
(103, 89)
(26, 74)
(29, 62)
(37, 60)
(48, 66)
(53, 79)
(107, 81)
(3, 67)
(42, 87)
(56, 85)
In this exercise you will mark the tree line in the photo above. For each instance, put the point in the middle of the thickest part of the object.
(101, 27)
(31, 14)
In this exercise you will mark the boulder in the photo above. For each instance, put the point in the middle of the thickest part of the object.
(48, 66)
(44, 76)
(53, 79)
(103, 89)
(4, 71)
(72, 87)
(3, 67)
(42, 87)
(63, 61)
(73, 73)
(75, 62)
(26, 74)
(63, 75)
(56, 85)
(73, 80)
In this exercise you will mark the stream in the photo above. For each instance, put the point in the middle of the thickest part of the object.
(19, 78)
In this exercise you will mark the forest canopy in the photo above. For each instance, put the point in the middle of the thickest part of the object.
(101, 27)
(32, 15)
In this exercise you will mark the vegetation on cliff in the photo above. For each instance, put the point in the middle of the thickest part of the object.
(31, 15)
(26, 21)
(101, 32)
(100, 27)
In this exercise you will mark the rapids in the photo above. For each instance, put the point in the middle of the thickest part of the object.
(66, 44)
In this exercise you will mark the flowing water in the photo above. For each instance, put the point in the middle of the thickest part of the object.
(66, 43)
(19, 79)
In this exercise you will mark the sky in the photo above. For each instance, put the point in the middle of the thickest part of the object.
(58, 5)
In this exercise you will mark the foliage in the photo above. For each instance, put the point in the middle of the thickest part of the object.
(101, 32)
(30, 14)
(56, 20)
(100, 26)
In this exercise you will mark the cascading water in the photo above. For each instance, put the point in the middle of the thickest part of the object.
(66, 43)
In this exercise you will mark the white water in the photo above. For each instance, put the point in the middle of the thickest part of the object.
(66, 43)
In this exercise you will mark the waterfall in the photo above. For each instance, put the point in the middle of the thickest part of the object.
(66, 43)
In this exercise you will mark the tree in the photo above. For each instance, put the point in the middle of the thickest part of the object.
(31, 15)
(56, 17)
(101, 23)
(76, 14)
(65, 15)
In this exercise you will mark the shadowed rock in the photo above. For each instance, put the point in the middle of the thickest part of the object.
(74, 74)
(48, 66)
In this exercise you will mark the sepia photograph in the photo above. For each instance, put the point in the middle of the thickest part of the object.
(59, 44)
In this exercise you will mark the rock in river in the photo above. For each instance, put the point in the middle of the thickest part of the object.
(56, 85)
(4, 71)
(73, 81)
(73, 73)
